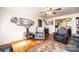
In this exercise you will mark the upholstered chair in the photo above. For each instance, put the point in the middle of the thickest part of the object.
(40, 33)
(61, 35)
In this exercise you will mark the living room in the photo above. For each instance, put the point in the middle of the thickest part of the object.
(41, 33)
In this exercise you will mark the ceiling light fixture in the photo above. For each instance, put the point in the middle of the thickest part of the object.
(50, 10)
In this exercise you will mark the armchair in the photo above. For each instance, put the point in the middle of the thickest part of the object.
(74, 45)
(61, 35)
(40, 34)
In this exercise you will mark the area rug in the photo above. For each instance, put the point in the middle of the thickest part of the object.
(48, 46)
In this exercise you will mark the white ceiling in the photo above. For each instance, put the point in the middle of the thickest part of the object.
(35, 11)
(27, 11)
(65, 11)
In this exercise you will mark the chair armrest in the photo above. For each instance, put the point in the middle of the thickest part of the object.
(63, 35)
(55, 33)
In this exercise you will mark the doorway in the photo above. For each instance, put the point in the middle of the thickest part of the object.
(39, 23)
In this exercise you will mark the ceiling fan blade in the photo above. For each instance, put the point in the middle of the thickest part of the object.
(57, 9)
(46, 14)
(53, 12)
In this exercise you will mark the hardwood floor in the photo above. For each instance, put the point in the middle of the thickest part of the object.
(24, 45)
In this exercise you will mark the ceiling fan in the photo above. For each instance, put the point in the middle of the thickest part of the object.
(50, 11)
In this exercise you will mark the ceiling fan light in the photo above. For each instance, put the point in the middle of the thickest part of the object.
(51, 11)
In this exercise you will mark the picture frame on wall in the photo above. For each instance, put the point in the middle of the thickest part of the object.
(50, 23)
(14, 20)
(23, 22)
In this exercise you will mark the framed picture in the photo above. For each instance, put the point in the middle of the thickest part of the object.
(23, 22)
(14, 19)
(50, 23)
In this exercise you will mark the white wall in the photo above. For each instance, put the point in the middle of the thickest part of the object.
(73, 22)
(10, 32)
(51, 27)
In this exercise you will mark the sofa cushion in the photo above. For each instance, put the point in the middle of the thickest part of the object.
(40, 29)
(62, 31)
(40, 32)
